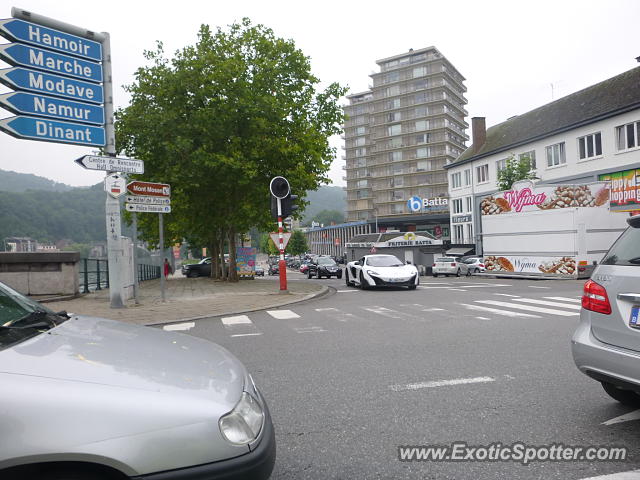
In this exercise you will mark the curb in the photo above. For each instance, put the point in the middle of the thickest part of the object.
(324, 290)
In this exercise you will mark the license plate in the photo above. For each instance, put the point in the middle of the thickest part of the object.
(634, 321)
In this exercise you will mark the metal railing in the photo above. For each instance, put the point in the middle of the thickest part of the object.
(94, 273)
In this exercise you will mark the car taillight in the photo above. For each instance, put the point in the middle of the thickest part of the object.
(594, 298)
(434, 265)
(453, 264)
(481, 265)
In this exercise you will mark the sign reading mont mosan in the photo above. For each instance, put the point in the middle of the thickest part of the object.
(149, 189)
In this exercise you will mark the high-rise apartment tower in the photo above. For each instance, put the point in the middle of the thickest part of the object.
(398, 136)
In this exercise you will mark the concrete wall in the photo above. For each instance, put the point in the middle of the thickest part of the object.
(41, 273)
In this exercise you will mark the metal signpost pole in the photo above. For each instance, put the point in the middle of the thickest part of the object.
(136, 285)
(282, 265)
(161, 234)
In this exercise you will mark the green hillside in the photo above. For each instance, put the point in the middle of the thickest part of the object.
(21, 182)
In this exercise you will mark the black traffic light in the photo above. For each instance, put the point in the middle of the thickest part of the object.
(279, 187)
(288, 205)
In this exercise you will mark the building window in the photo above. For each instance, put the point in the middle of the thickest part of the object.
(422, 152)
(419, 71)
(456, 180)
(422, 125)
(482, 173)
(359, 131)
(423, 138)
(628, 136)
(397, 181)
(501, 165)
(360, 141)
(398, 194)
(395, 156)
(395, 142)
(391, 91)
(393, 117)
(420, 84)
(394, 129)
(360, 152)
(531, 155)
(457, 205)
(458, 234)
(392, 77)
(590, 146)
(555, 155)
(469, 233)
(395, 103)
(421, 111)
(422, 165)
(469, 204)
(467, 177)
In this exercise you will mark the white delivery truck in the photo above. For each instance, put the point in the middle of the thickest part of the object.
(553, 229)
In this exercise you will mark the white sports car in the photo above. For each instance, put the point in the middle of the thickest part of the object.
(381, 270)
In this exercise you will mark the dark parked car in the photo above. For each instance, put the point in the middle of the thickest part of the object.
(324, 267)
(200, 269)
(273, 269)
(259, 271)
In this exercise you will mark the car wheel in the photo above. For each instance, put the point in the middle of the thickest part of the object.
(435, 275)
(468, 272)
(458, 273)
(626, 397)
(477, 270)
(191, 274)
(412, 287)
(363, 283)
(339, 276)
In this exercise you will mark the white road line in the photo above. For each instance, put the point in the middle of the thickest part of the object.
(434, 309)
(309, 329)
(565, 299)
(507, 295)
(457, 290)
(179, 326)
(547, 303)
(533, 286)
(629, 475)
(529, 308)
(483, 318)
(483, 285)
(627, 417)
(282, 314)
(506, 313)
(331, 309)
(441, 383)
(386, 312)
(237, 320)
(347, 291)
(246, 334)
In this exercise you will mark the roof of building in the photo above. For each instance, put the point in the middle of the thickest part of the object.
(605, 99)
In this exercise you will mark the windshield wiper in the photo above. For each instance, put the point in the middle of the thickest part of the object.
(35, 319)
(635, 260)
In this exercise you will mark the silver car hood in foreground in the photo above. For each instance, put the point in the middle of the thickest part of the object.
(108, 352)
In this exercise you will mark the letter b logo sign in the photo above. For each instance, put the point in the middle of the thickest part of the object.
(415, 204)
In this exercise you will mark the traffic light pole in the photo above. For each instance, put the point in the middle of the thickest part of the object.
(282, 265)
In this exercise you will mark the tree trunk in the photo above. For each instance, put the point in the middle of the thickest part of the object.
(233, 274)
(215, 261)
(223, 266)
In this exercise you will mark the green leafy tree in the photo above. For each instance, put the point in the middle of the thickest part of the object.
(217, 122)
(267, 245)
(297, 243)
(515, 169)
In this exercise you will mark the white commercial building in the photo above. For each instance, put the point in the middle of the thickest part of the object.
(589, 136)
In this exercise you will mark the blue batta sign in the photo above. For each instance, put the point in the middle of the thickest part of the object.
(33, 34)
(57, 108)
(38, 58)
(24, 79)
(53, 131)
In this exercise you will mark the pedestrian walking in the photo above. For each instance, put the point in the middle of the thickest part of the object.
(167, 268)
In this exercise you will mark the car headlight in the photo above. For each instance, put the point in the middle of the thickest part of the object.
(372, 272)
(242, 425)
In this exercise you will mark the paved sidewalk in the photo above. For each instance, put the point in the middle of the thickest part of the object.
(192, 298)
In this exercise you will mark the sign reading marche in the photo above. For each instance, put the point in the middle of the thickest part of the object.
(111, 164)
(53, 131)
(30, 103)
(149, 189)
(21, 31)
(18, 54)
(148, 200)
(20, 78)
(58, 79)
(141, 208)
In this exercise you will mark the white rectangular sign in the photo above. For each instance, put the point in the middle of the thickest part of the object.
(111, 164)
(141, 208)
(148, 200)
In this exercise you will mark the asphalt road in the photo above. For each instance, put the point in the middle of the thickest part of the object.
(352, 376)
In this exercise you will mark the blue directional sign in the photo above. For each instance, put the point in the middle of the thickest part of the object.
(38, 58)
(20, 78)
(34, 34)
(33, 128)
(44, 106)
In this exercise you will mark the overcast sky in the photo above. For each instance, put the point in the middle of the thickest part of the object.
(510, 52)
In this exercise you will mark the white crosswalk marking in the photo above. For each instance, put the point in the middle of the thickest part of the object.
(237, 320)
(565, 299)
(309, 329)
(176, 327)
(529, 308)
(337, 314)
(547, 303)
(386, 312)
(506, 313)
(282, 314)
(506, 295)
